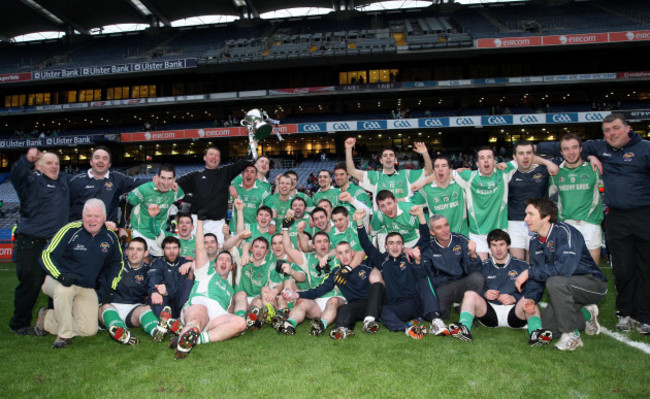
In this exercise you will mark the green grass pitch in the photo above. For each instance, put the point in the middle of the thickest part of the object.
(498, 364)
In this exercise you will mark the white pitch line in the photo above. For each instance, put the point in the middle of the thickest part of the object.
(624, 339)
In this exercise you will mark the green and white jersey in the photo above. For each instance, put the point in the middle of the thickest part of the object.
(486, 198)
(281, 207)
(208, 283)
(255, 232)
(350, 235)
(293, 230)
(578, 193)
(253, 198)
(276, 278)
(359, 194)
(188, 247)
(252, 278)
(147, 194)
(332, 195)
(399, 183)
(448, 202)
(404, 223)
(313, 279)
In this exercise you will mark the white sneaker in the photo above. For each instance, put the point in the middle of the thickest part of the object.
(569, 342)
(438, 328)
(625, 324)
(592, 327)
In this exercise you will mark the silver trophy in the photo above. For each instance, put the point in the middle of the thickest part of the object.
(258, 128)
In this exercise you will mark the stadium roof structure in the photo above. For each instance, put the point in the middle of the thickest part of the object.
(21, 17)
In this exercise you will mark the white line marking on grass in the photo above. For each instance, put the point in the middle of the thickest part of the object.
(624, 339)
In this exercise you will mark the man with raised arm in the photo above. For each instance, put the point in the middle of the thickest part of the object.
(409, 293)
(397, 182)
(206, 314)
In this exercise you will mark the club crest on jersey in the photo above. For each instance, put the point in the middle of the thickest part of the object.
(362, 275)
(139, 279)
(537, 177)
(454, 195)
(628, 156)
(108, 186)
(584, 177)
(104, 246)
(457, 250)
(551, 246)
(402, 265)
(513, 274)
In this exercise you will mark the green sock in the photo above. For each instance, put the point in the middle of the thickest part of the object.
(466, 319)
(534, 323)
(290, 305)
(241, 313)
(586, 314)
(324, 324)
(112, 318)
(149, 321)
(204, 338)
(292, 321)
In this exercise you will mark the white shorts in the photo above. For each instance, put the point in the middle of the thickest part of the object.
(322, 302)
(519, 234)
(502, 312)
(211, 226)
(154, 247)
(213, 307)
(123, 309)
(481, 242)
(592, 233)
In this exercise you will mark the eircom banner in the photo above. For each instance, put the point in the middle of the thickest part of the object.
(6, 252)
(471, 121)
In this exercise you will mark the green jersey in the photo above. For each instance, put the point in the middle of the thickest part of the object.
(359, 194)
(252, 278)
(314, 279)
(578, 193)
(486, 197)
(332, 195)
(448, 202)
(188, 247)
(208, 283)
(255, 232)
(398, 183)
(253, 198)
(280, 207)
(147, 194)
(350, 235)
(403, 222)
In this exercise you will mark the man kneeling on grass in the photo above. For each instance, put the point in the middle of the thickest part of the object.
(127, 308)
(354, 285)
(206, 314)
(500, 304)
(560, 260)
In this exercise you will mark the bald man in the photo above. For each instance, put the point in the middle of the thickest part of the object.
(44, 205)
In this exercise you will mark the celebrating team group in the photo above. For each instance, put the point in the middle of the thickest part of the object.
(398, 248)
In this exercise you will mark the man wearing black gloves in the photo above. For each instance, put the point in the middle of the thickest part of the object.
(209, 189)
(408, 288)
(44, 204)
(455, 264)
(82, 262)
(354, 285)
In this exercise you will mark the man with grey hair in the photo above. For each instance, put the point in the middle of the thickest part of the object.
(44, 204)
(456, 265)
(83, 264)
